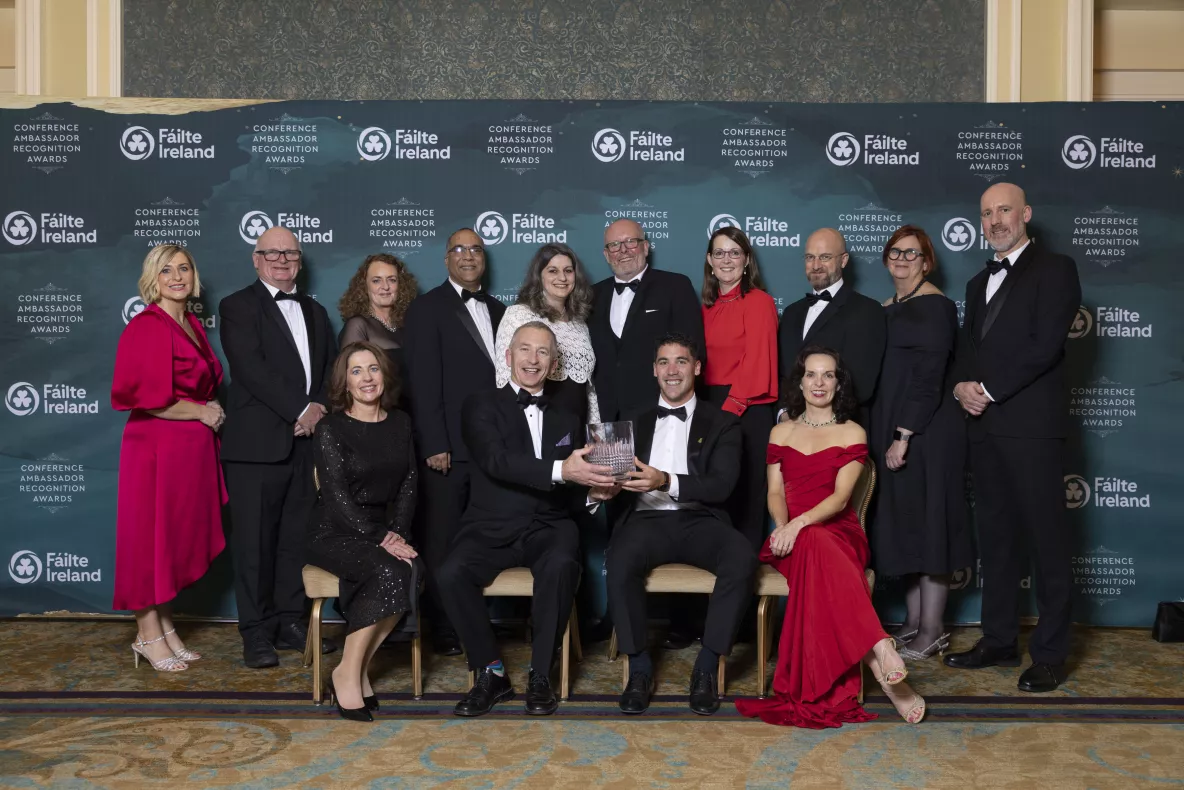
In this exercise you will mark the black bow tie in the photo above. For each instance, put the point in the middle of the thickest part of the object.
(281, 296)
(480, 296)
(993, 266)
(525, 399)
(680, 412)
(813, 298)
(632, 286)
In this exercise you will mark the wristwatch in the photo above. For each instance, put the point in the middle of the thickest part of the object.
(897, 436)
(665, 487)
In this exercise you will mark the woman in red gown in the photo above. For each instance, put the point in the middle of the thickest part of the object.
(830, 628)
(169, 521)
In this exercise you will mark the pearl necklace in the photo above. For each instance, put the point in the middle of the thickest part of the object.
(382, 321)
(806, 421)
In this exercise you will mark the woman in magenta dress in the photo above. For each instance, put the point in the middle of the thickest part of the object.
(169, 521)
(830, 628)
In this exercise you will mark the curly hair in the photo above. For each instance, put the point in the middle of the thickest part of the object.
(339, 397)
(578, 304)
(749, 280)
(356, 299)
(844, 403)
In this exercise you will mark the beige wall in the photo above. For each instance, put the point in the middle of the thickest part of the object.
(1139, 54)
(7, 46)
(63, 48)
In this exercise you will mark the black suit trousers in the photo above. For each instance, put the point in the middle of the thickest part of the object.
(552, 552)
(270, 507)
(442, 502)
(695, 537)
(1020, 502)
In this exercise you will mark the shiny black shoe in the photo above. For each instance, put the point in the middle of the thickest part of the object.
(293, 636)
(1041, 678)
(446, 643)
(371, 702)
(677, 640)
(981, 656)
(258, 652)
(349, 714)
(704, 694)
(540, 697)
(636, 696)
(489, 690)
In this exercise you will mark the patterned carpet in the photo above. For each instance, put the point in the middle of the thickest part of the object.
(74, 713)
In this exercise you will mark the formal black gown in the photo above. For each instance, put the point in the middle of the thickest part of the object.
(367, 476)
(920, 522)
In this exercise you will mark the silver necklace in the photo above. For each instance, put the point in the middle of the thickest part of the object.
(382, 321)
(806, 420)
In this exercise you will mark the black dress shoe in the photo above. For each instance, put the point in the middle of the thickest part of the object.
(981, 655)
(446, 643)
(349, 714)
(704, 694)
(540, 699)
(677, 640)
(371, 702)
(258, 653)
(636, 696)
(1041, 677)
(490, 689)
(294, 636)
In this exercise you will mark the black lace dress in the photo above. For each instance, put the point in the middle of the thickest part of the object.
(367, 475)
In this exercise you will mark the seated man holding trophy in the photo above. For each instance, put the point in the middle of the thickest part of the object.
(673, 511)
(519, 514)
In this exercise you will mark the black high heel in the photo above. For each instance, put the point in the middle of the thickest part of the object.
(349, 714)
(371, 702)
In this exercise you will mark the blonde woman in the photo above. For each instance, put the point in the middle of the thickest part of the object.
(169, 523)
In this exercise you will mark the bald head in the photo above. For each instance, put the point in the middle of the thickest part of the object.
(825, 256)
(628, 254)
(1005, 215)
(281, 244)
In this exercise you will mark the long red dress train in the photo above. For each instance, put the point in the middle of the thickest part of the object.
(830, 624)
(168, 524)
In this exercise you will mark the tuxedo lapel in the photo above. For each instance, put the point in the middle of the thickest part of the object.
(553, 427)
(643, 434)
(828, 312)
(696, 437)
(1014, 276)
(273, 312)
(516, 417)
(466, 319)
(635, 307)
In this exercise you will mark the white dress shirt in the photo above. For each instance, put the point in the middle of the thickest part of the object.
(294, 317)
(534, 420)
(995, 280)
(618, 311)
(817, 308)
(669, 454)
(480, 313)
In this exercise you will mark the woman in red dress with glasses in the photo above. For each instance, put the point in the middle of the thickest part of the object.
(830, 628)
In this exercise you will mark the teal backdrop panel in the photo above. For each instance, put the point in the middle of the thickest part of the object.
(85, 194)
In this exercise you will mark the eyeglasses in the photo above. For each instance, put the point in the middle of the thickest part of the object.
(629, 244)
(895, 254)
(274, 255)
(735, 254)
(824, 258)
(460, 249)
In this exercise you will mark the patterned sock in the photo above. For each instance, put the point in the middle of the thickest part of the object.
(708, 661)
(498, 668)
(640, 662)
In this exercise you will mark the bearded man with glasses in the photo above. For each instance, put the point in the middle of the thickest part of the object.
(450, 333)
(280, 349)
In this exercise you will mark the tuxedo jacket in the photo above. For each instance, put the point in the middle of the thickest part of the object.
(714, 444)
(447, 361)
(1014, 345)
(624, 374)
(267, 388)
(509, 488)
(851, 324)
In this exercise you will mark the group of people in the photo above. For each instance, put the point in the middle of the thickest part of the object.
(446, 442)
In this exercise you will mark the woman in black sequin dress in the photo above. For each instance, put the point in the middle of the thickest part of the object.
(360, 528)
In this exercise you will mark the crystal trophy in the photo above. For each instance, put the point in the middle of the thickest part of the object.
(612, 446)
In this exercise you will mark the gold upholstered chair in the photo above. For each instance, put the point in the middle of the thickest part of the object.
(519, 583)
(770, 584)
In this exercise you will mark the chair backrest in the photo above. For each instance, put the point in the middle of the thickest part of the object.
(316, 478)
(861, 496)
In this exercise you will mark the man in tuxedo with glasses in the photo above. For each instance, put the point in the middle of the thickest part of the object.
(280, 349)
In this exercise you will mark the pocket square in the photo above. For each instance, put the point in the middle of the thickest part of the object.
(652, 311)
(564, 442)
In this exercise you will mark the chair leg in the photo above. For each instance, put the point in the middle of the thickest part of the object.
(314, 638)
(574, 624)
(565, 665)
(722, 684)
(624, 671)
(612, 646)
(859, 698)
(472, 679)
(417, 666)
(762, 644)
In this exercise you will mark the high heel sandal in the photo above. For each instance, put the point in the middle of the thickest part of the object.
(167, 664)
(939, 646)
(892, 676)
(900, 641)
(349, 714)
(917, 707)
(185, 654)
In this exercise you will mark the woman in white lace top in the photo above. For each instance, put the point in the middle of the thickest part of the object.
(557, 292)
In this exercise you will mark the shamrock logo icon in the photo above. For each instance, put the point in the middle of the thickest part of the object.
(374, 144)
(22, 399)
(24, 567)
(19, 228)
(608, 145)
(1076, 491)
(1079, 152)
(842, 149)
(492, 227)
(137, 143)
(958, 234)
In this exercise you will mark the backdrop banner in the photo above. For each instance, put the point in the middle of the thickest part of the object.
(85, 194)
